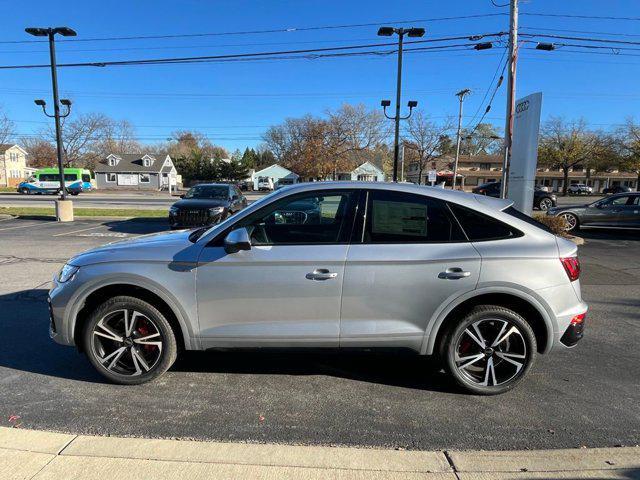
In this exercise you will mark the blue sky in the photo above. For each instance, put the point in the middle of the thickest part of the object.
(233, 103)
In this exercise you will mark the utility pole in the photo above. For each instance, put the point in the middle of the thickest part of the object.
(511, 95)
(461, 94)
(64, 207)
(401, 32)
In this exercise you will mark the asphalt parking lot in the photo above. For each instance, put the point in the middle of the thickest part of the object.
(587, 396)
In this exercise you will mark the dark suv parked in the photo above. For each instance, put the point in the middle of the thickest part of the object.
(541, 199)
(206, 204)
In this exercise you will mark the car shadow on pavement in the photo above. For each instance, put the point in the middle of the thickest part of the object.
(609, 234)
(138, 226)
(397, 368)
(25, 346)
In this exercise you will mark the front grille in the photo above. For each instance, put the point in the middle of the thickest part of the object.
(192, 216)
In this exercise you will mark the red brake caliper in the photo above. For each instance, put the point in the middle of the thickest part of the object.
(143, 330)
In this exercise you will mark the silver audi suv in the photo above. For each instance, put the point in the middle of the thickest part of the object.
(461, 277)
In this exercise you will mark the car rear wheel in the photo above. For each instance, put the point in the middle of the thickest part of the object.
(545, 204)
(490, 350)
(571, 221)
(129, 341)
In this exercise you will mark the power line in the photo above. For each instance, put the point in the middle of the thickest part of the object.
(270, 55)
(613, 34)
(486, 93)
(267, 31)
(581, 39)
(589, 17)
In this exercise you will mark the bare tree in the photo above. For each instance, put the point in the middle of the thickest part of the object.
(42, 153)
(79, 137)
(565, 144)
(322, 147)
(6, 128)
(424, 140)
(630, 136)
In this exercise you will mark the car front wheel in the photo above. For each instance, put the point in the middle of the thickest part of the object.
(129, 341)
(25, 191)
(490, 350)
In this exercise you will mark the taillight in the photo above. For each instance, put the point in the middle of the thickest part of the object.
(572, 267)
(578, 319)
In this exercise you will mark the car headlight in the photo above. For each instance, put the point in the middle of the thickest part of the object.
(66, 273)
(216, 210)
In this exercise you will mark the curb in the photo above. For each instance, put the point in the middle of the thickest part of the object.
(44, 455)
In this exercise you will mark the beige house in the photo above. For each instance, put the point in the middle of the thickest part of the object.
(474, 170)
(13, 165)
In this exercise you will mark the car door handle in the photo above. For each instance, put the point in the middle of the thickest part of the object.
(321, 274)
(453, 273)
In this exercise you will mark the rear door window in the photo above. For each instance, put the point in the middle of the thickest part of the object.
(398, 217)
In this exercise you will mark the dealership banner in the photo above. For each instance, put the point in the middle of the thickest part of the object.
(524, 152)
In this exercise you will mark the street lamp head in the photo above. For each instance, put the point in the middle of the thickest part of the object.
(416, 32)
(65, 31)
(412, 103)
(385, 103)
(66, 102)
(40, 102)
(545, 46)
(37, 32)
(483, 46)
(386, 31)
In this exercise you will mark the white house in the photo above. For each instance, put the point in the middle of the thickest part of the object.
(278, 175)
(367, 172)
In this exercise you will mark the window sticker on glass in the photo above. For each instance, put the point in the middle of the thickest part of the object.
(399, 218)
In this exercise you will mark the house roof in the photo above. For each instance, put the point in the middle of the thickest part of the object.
(6, 146)
(132, 162)
(275, 168)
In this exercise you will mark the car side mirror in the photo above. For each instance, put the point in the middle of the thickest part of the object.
(237, 240)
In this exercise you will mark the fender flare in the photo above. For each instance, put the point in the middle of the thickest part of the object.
(438, 318)
(78, 300)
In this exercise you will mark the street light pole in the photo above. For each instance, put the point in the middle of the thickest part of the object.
(396, 136)
(401, 32)
(56, 111)
(461, 94)
(64, 209)
(511, 95)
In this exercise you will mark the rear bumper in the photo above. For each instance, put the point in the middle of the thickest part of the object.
(573, 334)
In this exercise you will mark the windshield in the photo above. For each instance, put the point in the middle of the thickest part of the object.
(208, 191)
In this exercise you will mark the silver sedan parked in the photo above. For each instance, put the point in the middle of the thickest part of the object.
(462, 277)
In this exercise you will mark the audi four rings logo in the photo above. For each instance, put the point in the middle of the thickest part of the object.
(522, 106)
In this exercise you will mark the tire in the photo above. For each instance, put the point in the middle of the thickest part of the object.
(25, 191)
(572, 221)
(497, 367)
(130, 359)
(545, 204)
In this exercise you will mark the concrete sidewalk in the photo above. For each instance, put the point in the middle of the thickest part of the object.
(30, 454)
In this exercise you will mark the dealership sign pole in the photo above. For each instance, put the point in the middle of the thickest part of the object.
(524, 151)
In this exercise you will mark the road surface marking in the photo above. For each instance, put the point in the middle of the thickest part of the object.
(77, 231)
(29, 225)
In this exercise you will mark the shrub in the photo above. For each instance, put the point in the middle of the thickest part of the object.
(556, 224)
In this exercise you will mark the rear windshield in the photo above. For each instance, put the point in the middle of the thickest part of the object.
(526, 218)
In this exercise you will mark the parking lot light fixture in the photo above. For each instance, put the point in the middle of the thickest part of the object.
(401, 32)
(51, 33)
